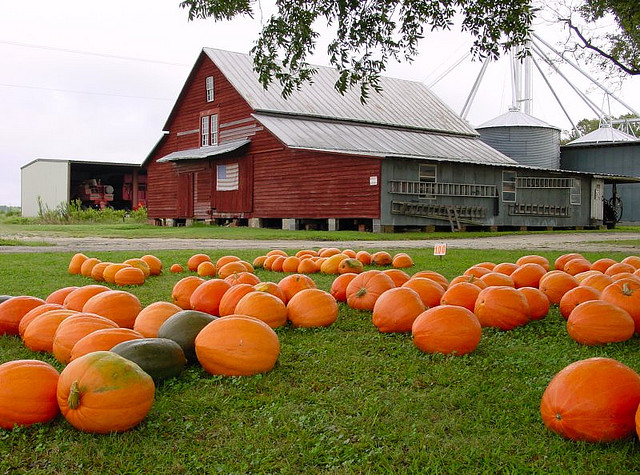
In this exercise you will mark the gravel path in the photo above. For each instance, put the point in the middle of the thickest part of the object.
(585, 241)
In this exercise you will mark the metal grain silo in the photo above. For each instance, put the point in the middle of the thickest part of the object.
(525, 139)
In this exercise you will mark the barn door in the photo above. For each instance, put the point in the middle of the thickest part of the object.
(597, 193)
(184, 206)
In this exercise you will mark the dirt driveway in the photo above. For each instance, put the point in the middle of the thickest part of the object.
(579, 241)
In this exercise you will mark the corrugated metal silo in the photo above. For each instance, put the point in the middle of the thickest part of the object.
(525, 139)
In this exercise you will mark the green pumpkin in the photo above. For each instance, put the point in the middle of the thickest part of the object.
(5, 297)
(183, 328)
(160, 358)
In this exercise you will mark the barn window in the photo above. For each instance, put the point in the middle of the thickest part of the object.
(209, 87)
(509, 186)
(427, 175)
(204, 130)
(214, 129)
(209, 130)
(575, 198)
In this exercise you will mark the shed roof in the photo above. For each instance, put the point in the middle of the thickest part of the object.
(203, 152)
(604, 135)
(515, 118)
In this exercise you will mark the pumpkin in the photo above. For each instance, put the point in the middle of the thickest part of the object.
(312, 308)
(398, 276)
(237, 345)
(277, 252)
(633, 260)
(75, 264)
(129, 276)
(102, 392)
(476, 271)
(183, 327)
(364, 290)
(74, 327)
(536, 259)
(58, 296)
(88, 265)
(430, 291)
(306, 252)
(308, 266)
(259, 261)
(447, 329)
(290, 264)
(109, 273)
(350, 265)
(182, 290)
(329, 251)
(268, 262)
(35, 312)
(102, 340)
(564, 258)
(575, 297)
(462, 294)
(396, 309)
(331, 265)
(160, 358)
(339, 286)
(626, 295)
(402, 261)
(13, 310)
(576, 265)
(263, 306)
(276, 265)
(364, 257)
(381, 258)
(27, 393)
(528, 275)
(97, 272)
(226, 259)
(488, 265)
(505, 268)
(594, 400)
(75, 300)
(538, 302)
(603, 264)
(119, 306)
(176, 268)
(39, 334)
(596, 322)
(206, 269)
(597, 281)
(270, 288)
(502, 307)
(294, 283)
(471, 279)
(206, 297)
(153, 316)
(154, 263)
(231, 298)
(349, 253)
(139, 264)
(619, 267)
(555, 284)
(494, 279)
(194, 261)
(433, 275)
(231, 268)
(242, 278)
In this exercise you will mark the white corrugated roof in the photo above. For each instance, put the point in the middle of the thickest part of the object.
(402, 103)
(362, 139)
(604, 135)
(203, 152)
(515, 118)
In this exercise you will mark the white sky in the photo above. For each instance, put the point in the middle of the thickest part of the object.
(56, 102)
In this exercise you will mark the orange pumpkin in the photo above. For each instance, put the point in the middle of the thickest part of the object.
(27, 393)
(153, 316)
(331, 264)
(263, 306)
(206, 269)
(182, 290)
(350, 265)
(398, 276)
(75, 264)
(39, 334)
(194, 261)
(528, 275)
(129, 276)
(312, 308)
(502, 307)
(471, 279)
(176, 268)
(259, 261)
(237, 345)
(154, 263)
(231, 298)
(564, 258)
(35, 312)
(381, 258)
(226, 259)
(231, 268)
(430, 291)
(118, 306)
(102, 392)
(76, 299)
(603, 264)
(72, 329)
(493, 279)
(109, 273)
(307, 266)
(339, 286)
(13, 310)
(462, 294)
(505, 268)
(538, 302)
(447, 329)
(619, 267)
(597, 281)
(329, 251)
(575, 297)
(476, 271)
(242, 278)
(206, 297)
(102, 340)
(555, 284)
(632, 260)
(626, 295)
(596, 322)
(364, 290)
(271, 288)
(139, 264)
(536, 259)
(576, 265)
(402, 261)
(97, 272)
(594, 400)
(88, 265)
(433, 275)
(396, 309)
(364, 257)
(277, 252)
(294, 283)
(58, 296)
(290, 264)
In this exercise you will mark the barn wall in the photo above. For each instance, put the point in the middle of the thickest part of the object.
(48, 180)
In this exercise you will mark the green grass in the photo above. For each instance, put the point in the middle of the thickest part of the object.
(345, 399)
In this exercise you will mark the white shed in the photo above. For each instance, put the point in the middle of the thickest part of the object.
(47, 180)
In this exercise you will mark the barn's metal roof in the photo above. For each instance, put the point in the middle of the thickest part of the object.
(515, 118)
(378, 141)
(604, 135)
(203, 152)
(402, 103)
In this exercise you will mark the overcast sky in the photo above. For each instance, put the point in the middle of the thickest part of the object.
(97, 80)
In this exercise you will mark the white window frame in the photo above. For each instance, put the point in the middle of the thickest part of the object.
(575, 192)
(213, 121)
(204, 131)
(209, 87)
(510, 186)
(208, 130)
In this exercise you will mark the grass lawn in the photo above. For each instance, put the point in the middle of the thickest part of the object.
(344, 399)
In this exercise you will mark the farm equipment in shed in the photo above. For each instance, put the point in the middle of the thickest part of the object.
(94, 194)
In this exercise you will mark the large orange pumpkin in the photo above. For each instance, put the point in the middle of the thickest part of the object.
(139, 264)
(364, 290)
(575, 297)
(109, 273)
(462, 294)
(396, 309)
(72, 329)
(625, 294)
(182, 290)
(97, 272)
(381, 258)
(151, 318)
(538, 302)
(290, 264)
(494, 279)
(119, 306)
(339, 286)
(206, 269)
(154, 263)
(242, 278)
(232, 268)
(505, 268)
(88, 265)
(231, 298)
(502, 307)
(27, 393)
(597, 281)
(194, 261)
(602, 264)
(593, 400)
(206, 297)
(75, 264)
(596, 322)
(237, 345)
(129, 276)
(75, 300)
(528, 275)
(13, 310)
(563, 259)
(555, 284)
(271, 288)
(102, 340)
(430, 291)
(402, 260)
(312, 308)
(39, 334)
(35, 312)
(536, 259)
(263, 306)
(398, 276)
(448, 329)
(58, 296)
(294, 283)
(351, 265)
(102, 392)
(364, 257)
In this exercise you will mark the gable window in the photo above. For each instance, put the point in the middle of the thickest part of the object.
(209, 130)
(509, 186)
(209, 87)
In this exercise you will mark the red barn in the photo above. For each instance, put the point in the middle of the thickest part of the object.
(235, 151)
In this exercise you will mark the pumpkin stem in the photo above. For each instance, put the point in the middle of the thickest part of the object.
(626, 290)
(361, 292)
(558, 416)
(74, 396)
